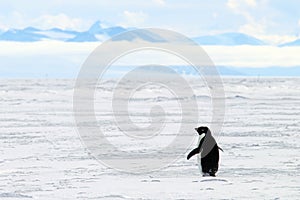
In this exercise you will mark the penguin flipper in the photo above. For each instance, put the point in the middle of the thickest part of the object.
(193, 152)
(220, 149)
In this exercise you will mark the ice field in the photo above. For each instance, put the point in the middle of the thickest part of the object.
(42, 156)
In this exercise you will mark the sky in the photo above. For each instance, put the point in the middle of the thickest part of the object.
(274, 21)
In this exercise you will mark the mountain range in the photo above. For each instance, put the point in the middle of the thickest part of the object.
(234, 71)
(293, 43)
(99, 33)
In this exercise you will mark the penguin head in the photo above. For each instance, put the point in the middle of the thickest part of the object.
(202, 130)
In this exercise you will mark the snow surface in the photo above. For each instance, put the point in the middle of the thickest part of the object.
(42, 156)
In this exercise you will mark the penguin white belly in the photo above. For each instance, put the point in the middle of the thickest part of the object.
(199, 163)
(199, 157)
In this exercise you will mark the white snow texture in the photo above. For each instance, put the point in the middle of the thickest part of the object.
(42, 156)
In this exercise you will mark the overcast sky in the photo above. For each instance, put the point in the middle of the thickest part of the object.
(265, 19)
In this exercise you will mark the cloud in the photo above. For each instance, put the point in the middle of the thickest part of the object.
(259, 21)
(63, 21)
(160, 2)
(60, 21)
(277, 39)
(259, 18)
(134, 18)
(3, 27)
(13, 54)
(240, 7)
(233, 4)
(16, 18)
(238, 4)
(254, 56)
(251, 3)
(253, 26)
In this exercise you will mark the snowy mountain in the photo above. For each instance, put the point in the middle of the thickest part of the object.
(83, 37)
(221, 70)
(32, 34)
(99, 33)
(228, 39)
(25, 35)
(95, 33)
(142, 34)
(235, 71)
(96, 28)
(114, 30)
(294, 43)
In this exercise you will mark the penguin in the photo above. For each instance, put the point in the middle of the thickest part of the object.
(209, 151)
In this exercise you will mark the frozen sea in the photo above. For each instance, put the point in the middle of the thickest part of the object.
(42, 156)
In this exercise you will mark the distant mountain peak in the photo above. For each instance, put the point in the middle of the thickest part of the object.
(96, 28)
(230, 38)
(30, 29)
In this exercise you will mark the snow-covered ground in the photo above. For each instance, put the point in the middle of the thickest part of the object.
(42, 156)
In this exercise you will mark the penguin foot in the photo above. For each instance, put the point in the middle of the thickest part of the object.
(205, 174)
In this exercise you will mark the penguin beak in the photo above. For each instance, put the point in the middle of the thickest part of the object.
(196, 129)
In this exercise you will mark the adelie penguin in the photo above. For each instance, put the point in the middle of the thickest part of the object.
(208, 149)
